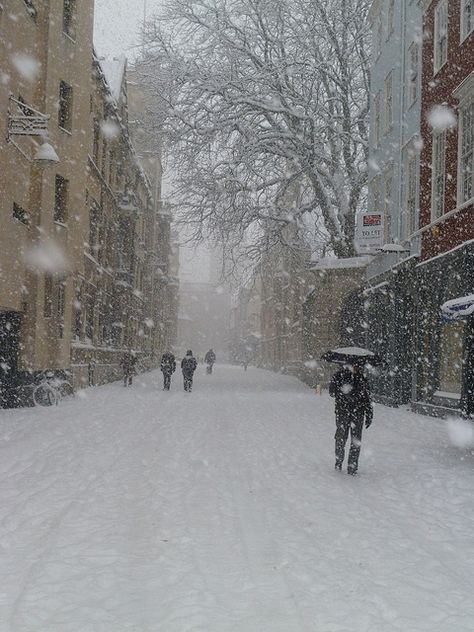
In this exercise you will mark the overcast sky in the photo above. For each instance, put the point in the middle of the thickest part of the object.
(118, 24)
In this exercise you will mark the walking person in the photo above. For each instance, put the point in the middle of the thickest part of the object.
(128, 363)
(188, 366)
(350, 388)
(168, 367)
(209, 359)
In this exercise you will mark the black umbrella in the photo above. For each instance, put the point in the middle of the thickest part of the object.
(353, 355)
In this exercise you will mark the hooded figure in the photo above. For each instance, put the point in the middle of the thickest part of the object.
(209, 359)
(350, 388)
(188, 366)
(168, 367)
(128, 364)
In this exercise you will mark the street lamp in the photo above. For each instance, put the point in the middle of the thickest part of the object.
(30, 122)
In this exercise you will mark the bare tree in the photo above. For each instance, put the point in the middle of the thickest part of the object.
(263, 106)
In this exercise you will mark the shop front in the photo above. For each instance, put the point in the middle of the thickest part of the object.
(445, 334)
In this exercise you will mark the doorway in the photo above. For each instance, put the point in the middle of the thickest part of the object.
(9, 349)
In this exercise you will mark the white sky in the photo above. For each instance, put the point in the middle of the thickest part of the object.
(118, 24)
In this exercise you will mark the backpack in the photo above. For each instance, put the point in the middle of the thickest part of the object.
(189, 364)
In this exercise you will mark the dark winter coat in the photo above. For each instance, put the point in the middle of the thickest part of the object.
(210, 357)
(352, 394)
(168, 363)
(188, 365)
(128, 363)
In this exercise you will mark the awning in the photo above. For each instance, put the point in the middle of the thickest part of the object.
(458, 308)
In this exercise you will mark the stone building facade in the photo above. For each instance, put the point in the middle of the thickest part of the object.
(331, 313)
(394, 188)
(84, 247)
(41, 209)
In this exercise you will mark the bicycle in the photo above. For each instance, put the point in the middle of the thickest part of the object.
(51, 389)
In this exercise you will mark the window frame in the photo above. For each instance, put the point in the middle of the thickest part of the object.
(468, 104)
(66, 105)
(388, 178)
(463, 34)
(413, 74)
(388, 119)
(21, 215)
(69, 19)
(410, 193)
(390, 18)
(438, 176)
(437, 63)
(377, 119)
(61, 199)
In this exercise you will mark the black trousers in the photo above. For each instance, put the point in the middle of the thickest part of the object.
(188, 382)
(346, 423)
(166, 380)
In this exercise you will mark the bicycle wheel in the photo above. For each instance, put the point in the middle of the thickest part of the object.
(44, 395)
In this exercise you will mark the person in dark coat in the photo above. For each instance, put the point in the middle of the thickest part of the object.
(168, 367)
(128, 364)
(350, 388)
(188, 366)
(209, 359)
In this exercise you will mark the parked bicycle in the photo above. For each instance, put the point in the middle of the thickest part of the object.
(51, 388)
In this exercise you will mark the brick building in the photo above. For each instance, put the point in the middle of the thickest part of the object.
(445, 348)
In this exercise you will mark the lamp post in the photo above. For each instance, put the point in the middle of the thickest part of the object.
(29, 122)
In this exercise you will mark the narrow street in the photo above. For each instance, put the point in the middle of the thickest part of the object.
(219, 511)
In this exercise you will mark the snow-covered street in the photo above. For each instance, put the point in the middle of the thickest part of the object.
(220, 511)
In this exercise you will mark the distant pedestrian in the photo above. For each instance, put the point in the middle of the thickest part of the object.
(91, 372)
(188, 366)
(168, 367)
(350, 388)
(209, 359)
(128, 364)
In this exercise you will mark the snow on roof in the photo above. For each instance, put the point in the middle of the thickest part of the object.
(114, 72)
(331, 263)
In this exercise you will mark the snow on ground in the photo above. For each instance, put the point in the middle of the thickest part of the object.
(219, 511)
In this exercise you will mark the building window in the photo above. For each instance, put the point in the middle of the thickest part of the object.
(441, 35)
(451, 359)
(388, 206)
(412, 74)
(60, 305)
(21, 215)
(65, 106)
(410, 195)
(377, 119)
(390, 17)
(388, 94)
(61, 199)
(379, 37)
(377, 194)
(69, 18)
(466, 162)
(438, 177)
(48, 296)
(96, 142)
(30, 7)
(467, 18)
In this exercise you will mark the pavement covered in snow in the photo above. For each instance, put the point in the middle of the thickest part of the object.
(219, 511)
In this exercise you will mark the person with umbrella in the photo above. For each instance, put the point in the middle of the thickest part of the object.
(353, 407)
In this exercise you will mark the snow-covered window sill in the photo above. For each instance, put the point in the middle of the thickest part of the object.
(446, 395)
(67, 36)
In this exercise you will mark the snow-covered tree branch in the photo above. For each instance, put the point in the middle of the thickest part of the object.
(264, 107)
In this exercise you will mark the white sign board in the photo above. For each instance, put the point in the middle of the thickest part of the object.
(369, 231)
